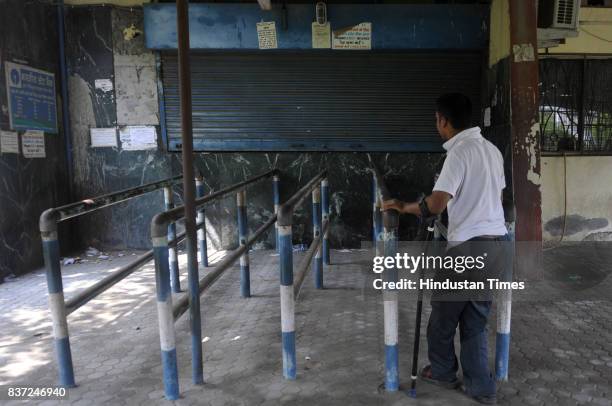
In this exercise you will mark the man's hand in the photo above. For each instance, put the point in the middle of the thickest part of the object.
(393, 204)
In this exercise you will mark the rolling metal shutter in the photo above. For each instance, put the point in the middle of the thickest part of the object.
(353, 101)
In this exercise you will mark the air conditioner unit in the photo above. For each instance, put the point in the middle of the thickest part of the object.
(557, 20)
(561, 14)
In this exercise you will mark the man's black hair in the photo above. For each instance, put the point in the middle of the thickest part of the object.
(456, 108)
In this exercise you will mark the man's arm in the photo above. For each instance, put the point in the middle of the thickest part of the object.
(436, 202)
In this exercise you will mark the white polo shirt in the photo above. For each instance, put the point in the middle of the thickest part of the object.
(473, 174)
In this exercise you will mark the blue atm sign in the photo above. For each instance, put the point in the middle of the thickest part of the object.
(31, 98)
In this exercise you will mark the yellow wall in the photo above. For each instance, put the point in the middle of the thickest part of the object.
(499, 41)
(595, 33)
(588, 196)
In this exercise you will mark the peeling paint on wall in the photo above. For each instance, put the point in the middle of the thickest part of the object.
(533, 175)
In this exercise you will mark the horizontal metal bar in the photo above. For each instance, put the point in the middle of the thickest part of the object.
(260, 144)
(50, 217)
(96, 289)
(160, 222)
(88, 205)
(182, 304)
(305, 265)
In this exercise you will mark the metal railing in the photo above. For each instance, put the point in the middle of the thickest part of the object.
(169, 312)
(60, 309)
(386, 241)
(385, 237)
(287, 289)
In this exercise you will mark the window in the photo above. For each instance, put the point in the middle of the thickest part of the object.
(576, 105)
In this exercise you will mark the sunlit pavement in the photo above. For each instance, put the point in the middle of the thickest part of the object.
(560, 354)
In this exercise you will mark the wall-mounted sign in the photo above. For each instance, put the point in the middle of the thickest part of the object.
(103, 137)
(33, 144)
(321, 35)
(357, 37)
(9, 142)
(31, 98)
(135, 138)
(266, 35)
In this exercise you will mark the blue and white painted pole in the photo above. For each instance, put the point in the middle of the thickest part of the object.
(502, 342)
(390, 302)
(377, 219)
(276, 194)
(287, 299)
(325, 215)
(317, 260)
(175, 282)
(243, 234)
(57, 307)
(504, 316)
(201, 219)
(167, 335)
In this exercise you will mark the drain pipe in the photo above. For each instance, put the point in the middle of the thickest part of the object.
(64, 90)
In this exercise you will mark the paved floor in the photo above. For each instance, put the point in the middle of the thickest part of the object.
(561, 350)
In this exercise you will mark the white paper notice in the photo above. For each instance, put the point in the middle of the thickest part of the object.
(106, 85)
(266, 35)
(103, 137)
(33, 144)
(356, 37)
(321, 35)
(9, 142)
(135, 138)
(487, 117)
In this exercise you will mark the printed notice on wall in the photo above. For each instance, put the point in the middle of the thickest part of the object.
(103, 137)
(357, 37)
(321, 35)
(9, 142)
(33, 144)
(136, 138)
(266, 35)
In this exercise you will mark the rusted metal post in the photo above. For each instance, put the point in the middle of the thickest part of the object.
(182, 22)
(526, 138)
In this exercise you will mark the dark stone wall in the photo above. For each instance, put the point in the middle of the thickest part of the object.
(28, 35)
(102, 45)
(407, 175)
(93, 51)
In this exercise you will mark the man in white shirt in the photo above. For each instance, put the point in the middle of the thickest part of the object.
(470, 186)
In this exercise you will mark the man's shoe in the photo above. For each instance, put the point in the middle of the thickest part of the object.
(427, 376)
(483, 399)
